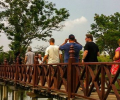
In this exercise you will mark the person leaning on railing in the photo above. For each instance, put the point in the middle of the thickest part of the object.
(39, 58)
(66, 47)
(117, 52)
(91, 51)
(116, 57)
(29, 56)
(53, 53)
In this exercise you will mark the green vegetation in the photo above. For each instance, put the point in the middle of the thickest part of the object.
(103, 58)
(106, 31)
(41, 50)
(30, 19)
(80, 55)
(9, 56)
(1, 49)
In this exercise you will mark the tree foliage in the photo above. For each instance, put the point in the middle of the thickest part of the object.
(9, 56)
(41, 49)
(30, 19)
(1, 49)
(103, 58)
(106, 31)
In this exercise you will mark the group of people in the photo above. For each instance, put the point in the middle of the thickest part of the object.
(53, 53)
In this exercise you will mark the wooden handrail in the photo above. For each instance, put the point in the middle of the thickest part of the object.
(71, 76)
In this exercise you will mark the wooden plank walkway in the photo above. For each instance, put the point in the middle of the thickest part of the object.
(94, 95)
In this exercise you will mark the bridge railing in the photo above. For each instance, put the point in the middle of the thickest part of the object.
(98, 79)
(72, 79)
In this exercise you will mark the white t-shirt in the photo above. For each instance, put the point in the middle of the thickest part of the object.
(53, 54)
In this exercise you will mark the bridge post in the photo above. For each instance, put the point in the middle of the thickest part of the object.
(71, 76)
(5, 93)
(5, 64)
(35, 71)
(15, 95)
(16, 67)
(1, 92)
(34, 98)
(102, 82)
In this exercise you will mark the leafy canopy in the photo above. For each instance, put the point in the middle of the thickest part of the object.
(106, 31)
(30, 19)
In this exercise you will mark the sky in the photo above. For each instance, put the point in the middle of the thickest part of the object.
(81, 17)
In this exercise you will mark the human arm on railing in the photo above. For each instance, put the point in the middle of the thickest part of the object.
(116, 57)
(84, 55)
(44, 59)
(25, 59)
(98, 54)
(61, 58)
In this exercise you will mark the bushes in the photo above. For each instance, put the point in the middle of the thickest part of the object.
(103, 58)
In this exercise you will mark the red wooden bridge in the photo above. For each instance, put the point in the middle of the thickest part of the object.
(65, 79)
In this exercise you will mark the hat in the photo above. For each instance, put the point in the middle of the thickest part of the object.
(71, 36)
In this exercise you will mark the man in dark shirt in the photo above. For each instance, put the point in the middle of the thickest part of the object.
(66, 47)
(90, 53)
(91, 50)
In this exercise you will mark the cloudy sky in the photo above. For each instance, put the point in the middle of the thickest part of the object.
(81, 17)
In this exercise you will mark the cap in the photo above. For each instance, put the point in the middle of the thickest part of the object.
(71, 36)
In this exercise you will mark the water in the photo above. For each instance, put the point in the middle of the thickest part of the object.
(6, 91)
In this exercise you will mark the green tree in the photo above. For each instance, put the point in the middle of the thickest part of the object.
(1, 49)
(1, 54)
(106, 31)
(30, 19)
(41, 49)
(103, 58)
(80, 55)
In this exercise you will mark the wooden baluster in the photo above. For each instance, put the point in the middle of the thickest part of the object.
(15, 95)
(35, 71)
(16, 69)
(102, 82)
(58, 77)
(17, 60)
(49, 78)
(36, 60)
(86, 80)
(5, 93)
(71, 80)
(5, 64)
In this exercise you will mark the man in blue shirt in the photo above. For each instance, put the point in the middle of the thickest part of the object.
(66, 47)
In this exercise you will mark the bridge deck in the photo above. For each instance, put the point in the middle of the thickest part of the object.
(72, 76)
(94, 95)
